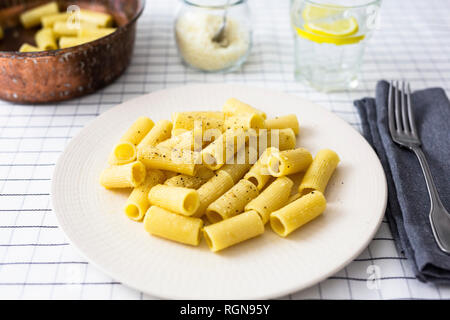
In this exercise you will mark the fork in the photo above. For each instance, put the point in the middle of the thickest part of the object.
(403, 131)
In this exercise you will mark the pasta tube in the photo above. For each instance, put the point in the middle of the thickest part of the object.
(288, 162)
(126, 176)
(176, 199)
(45, 39)
(258, 174)
(284, 122)
(212, 190)
(159, 133)
(89, 31)
(236, 170)
(182, 141)
(165, 224)
(283, 139)
(181, 161)
(29, 48)
(245, 121)
(32, 18)
(137, 203)
(97, 18)
(234, 107)
(319, 172)
(48, 21)
(232, 202)
(68, 42)
(66, 29)
(216, 154)
(297, 213)
(193, 182)
(229, 232)
(138, 130)
(274, 197)
(208, 119)
(197, 115)
(125, 151)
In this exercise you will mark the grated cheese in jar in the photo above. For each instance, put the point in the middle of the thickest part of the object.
(194, 32)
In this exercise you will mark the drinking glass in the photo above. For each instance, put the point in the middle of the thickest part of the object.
(330, 38)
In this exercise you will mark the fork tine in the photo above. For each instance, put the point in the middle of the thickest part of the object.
(411, 119)
(391, 108)
(398, 121)
(403, 108)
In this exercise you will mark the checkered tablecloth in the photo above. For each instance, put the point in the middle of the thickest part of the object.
(36, 261)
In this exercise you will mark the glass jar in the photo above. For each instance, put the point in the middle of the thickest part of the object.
(196, 24)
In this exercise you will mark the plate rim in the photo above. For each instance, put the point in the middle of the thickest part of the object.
(278, 293)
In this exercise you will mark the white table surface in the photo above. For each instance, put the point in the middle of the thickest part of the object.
(36, 261)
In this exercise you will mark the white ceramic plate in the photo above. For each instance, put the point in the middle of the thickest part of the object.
(264, 267)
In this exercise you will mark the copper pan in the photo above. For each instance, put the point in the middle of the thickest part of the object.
(64, 74)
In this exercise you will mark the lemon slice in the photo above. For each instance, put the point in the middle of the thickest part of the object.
(337, 28)
(319, 38)
(314, 12)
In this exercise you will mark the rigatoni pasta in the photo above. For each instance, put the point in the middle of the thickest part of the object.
(125, 151)
(138, 203)
(138, 130)
(235, 107)
(180, 200)
(32, 18)
(66, 29)
(226, 169)
(181, 161)
(90, 31)
(319, 172)
(212, 190)
(274, 197)
(258, 174)
(71, 28)
(202, 175)
(223, 148)
(297, 213)
(288, 162)
(282, 139)
(48, 21)
(45, 39)
(168, 225)
(209, 120)
(160, 132)
(284, 122)
(245, 121)
(185, 140)
(68, 42)
(237, 229)
(99, 19)
(232, 202)
(236, 170)
(128, 175)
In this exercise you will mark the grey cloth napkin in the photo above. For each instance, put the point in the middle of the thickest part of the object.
(408, 201)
